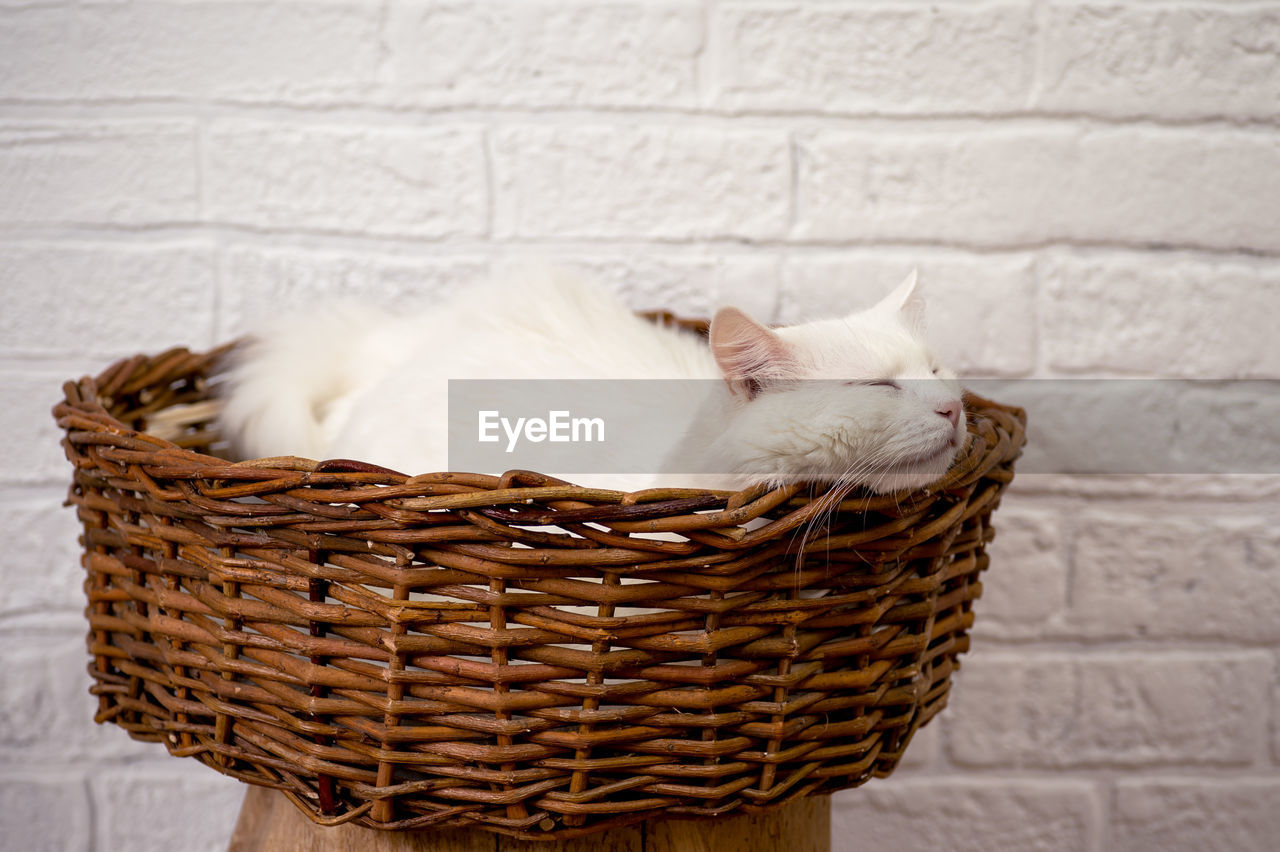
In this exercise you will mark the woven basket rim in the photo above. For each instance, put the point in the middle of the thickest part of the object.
(93, 396)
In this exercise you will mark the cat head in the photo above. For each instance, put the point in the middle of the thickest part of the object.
(857, 399)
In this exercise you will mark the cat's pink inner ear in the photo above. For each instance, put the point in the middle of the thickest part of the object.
(749, 354)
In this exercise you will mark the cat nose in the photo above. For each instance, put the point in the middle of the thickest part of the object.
(951, 411)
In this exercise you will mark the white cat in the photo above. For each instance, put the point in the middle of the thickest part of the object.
(857, 399)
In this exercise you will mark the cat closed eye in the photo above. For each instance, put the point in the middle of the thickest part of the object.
(883, 383)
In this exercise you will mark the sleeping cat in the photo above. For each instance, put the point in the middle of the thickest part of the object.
(856, 399)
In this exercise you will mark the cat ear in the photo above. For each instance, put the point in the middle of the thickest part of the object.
(907, 301)
(748, 353)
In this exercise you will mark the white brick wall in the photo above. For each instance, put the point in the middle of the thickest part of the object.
(1089, 189)
(122, 172)
(666, 181)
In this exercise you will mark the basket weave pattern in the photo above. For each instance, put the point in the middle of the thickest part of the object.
(510, 653)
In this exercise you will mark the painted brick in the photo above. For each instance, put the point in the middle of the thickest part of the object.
(103, 300)
(1166, 316)
(1227, 428)
(41, 547)
(1275, 716)
(32, 452)
(1015, 186)
(524, 54)
(248, 51)
(404, 181)
(260, 283)
(969, 186)
(184, 806)
(1228, 487)
(961, 814)
(46, 711)
(44, 812)
(979, 308)
(640, 181)
(128, 173)
(1217, 189)
(1057, 710)
(1107, 426)
(1110, 426)
(1026, 585)
(36, 51)
(921, 754)
(875, 58)
(1196, 576)
(1183, 61)
(1210, 815)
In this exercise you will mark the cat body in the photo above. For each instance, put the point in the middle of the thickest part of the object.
(856, 399)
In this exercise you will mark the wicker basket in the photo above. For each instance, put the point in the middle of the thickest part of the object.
(407, 652)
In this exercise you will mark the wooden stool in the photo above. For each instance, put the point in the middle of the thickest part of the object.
(270, 823)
